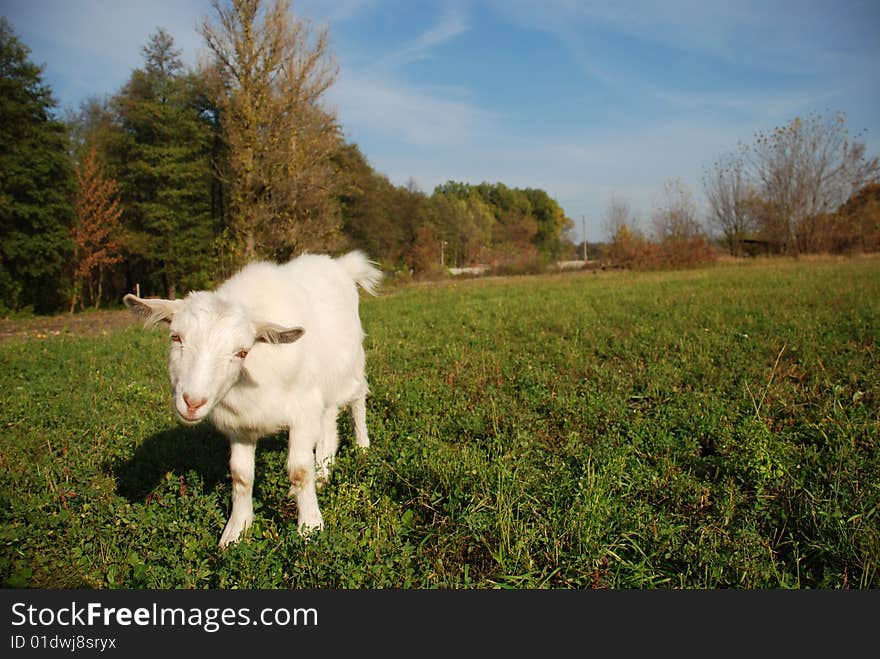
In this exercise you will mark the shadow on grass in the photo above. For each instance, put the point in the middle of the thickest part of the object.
(178, 450)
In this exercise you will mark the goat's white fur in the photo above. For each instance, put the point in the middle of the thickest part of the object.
(274, 347)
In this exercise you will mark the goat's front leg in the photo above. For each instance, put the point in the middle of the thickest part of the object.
(241, 466)
(301, 471)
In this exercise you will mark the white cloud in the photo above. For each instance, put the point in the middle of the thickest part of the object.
(451, 24)
(377, 99)
(798, 38)
(90, 46)
(406, 114)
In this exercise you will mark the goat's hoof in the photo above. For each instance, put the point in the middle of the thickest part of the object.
(233, 531)
(310, 529)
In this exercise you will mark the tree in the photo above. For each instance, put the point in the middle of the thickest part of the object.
(268, 76)
(35, 183)
(618, 215)
(805, 170)
(424, 255)
(679, 237)
(554, 228)
(502, 224)
(732, 202)
(164, 152)
(95, 229)
(467, 222)
(366, 200)
(675, 217)
(627, 244)
(93, 125)
(470, 232)
(856, 224)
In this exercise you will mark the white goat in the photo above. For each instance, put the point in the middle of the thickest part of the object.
(274, 347)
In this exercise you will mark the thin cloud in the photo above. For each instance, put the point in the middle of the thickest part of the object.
(767, 106)
(406, 114)
(377, 99)
(776, 36)
(90, 47)
(333, 11)
(450, 25)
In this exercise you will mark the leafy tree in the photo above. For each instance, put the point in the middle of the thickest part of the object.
(455, 189)
(515, 228)
(268, 76)
(474, 230)
(366, 201)
(425, 254)
(521, 225)
(628, 247)
(95, 229)
(467, 223)
(92, 126)
(856, 225)
(415, 215)
(164, 152)
(35, 183)
(554, 228)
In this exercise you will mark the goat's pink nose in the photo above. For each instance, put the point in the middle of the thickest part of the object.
(193, 404)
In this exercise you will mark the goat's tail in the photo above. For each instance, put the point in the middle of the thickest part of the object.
(363, 271)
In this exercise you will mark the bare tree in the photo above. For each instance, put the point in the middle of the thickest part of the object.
(675, 217)
(412, 186)
(731, 197)
(805, 171)
(627, 245)
(618, 215)
(268, 74)
(680, 240)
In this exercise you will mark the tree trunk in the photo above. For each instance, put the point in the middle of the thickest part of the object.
(91, 290)
(75, 296)
(250, 247)
(100, 288)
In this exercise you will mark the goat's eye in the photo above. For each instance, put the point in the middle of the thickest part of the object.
(241, 354)
(176, 338)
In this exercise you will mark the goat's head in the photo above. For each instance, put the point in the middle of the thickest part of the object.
(210, 341)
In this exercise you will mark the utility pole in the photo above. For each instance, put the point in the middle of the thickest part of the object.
(584, 226)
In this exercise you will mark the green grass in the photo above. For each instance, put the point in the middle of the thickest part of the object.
(700, 429)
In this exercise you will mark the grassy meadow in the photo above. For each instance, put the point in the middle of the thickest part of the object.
(707, 428)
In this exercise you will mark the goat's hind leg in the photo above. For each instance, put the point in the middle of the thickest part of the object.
(301, 447)
(359, 419)
(328, 444)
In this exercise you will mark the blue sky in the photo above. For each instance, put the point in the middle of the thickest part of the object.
(587, 100)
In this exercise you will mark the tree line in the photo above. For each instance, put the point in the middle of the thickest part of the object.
(805, 187)
(185, 174)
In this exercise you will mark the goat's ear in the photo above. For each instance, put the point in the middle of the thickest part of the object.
(272, 333)
(152, 311)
